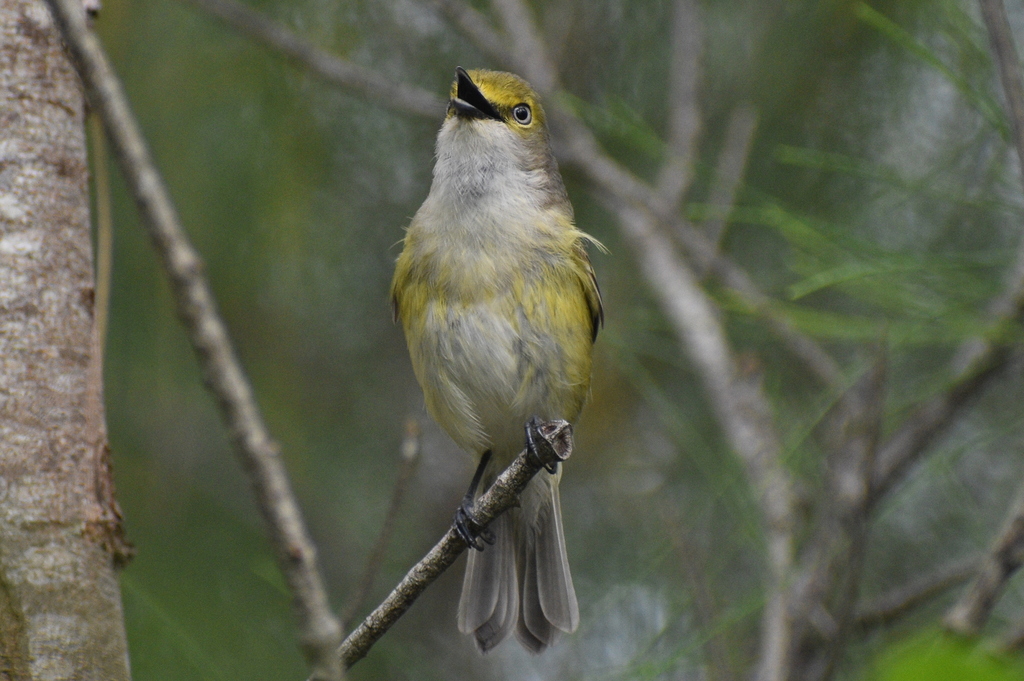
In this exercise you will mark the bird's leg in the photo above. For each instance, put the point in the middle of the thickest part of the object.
(532, 435)
(466, 524)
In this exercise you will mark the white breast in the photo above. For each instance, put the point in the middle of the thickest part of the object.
(485, 208)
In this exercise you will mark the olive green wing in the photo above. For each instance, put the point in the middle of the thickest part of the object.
(591, 291)
(399, 282)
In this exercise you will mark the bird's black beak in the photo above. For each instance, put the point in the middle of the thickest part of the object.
(468, 100)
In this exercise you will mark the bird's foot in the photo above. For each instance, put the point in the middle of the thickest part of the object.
(534, 439)
(475, 535)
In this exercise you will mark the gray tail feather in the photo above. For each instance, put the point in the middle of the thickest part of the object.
(522, 582)
(549, 604)
(490, 592)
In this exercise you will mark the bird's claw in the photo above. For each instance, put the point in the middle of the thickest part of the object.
(475, 535)
(532, 436)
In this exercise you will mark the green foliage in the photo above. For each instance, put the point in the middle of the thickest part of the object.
(940, 657)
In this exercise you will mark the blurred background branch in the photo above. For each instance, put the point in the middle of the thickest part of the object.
(677, 172)
(1008, 67)
(409, 456)
(335, 70)
(1006, 555)
(319, 630)
(894, 605)
(826, 584)
(729, 169)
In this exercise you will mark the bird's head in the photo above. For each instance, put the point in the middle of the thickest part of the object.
(495, 128)
(497, 96)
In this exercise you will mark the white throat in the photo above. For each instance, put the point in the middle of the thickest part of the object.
(482, 176)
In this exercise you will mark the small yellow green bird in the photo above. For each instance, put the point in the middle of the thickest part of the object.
(500, 309)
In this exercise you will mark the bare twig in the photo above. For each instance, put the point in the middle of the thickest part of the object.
(108, 519)
(893, 605)
(335, 70)
(910, 440)
(502, 495)
(980, 358)
(732, 164)
(1004, 558)
(684, 117)
(1008, 63)
(319, 631)
(410, 452)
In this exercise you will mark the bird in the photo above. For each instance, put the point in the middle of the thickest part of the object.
(500, 308)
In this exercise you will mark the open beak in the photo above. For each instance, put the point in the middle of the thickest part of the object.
(468, 101)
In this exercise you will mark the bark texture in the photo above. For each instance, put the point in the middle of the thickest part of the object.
(60, 532)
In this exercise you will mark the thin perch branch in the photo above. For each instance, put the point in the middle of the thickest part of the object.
(554, 446)
(319, 631)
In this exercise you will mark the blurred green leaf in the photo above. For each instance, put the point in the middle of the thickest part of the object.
(173, 632)
(936, 656)
(267, 570)
(820, 280)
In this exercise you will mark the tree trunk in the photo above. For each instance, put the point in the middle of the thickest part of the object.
(60, 531)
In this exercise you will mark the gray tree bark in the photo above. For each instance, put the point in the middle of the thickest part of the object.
(60, 529)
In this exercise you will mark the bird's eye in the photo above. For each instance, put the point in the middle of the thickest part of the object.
(521, 112)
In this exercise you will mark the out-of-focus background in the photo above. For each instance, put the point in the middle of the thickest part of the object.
(880, 204)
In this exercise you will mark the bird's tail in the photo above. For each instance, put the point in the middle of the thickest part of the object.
(548, 600)
(490, 589)
(522, 582)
